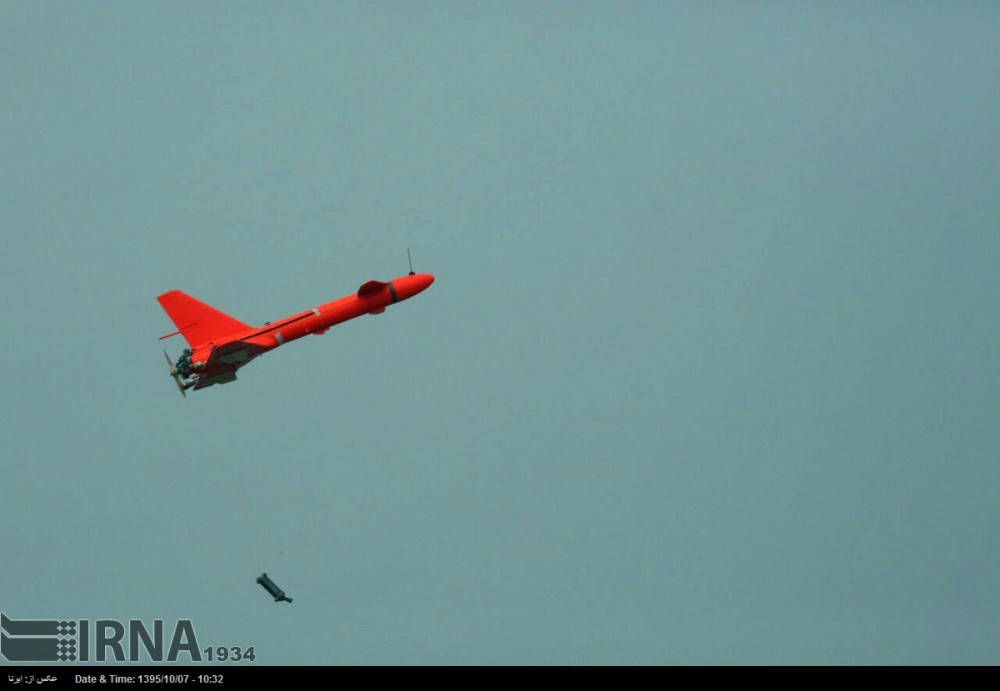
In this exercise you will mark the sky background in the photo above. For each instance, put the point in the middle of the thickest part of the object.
(708, 374)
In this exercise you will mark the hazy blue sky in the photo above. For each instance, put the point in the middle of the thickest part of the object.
(709, 373)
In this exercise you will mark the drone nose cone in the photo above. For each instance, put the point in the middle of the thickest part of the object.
(408, 286)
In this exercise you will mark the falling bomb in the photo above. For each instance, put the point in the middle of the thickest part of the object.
(277, 593)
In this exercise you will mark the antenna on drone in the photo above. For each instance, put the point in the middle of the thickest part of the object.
(409, 259)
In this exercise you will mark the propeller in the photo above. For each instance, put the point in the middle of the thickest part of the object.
(175, 374)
